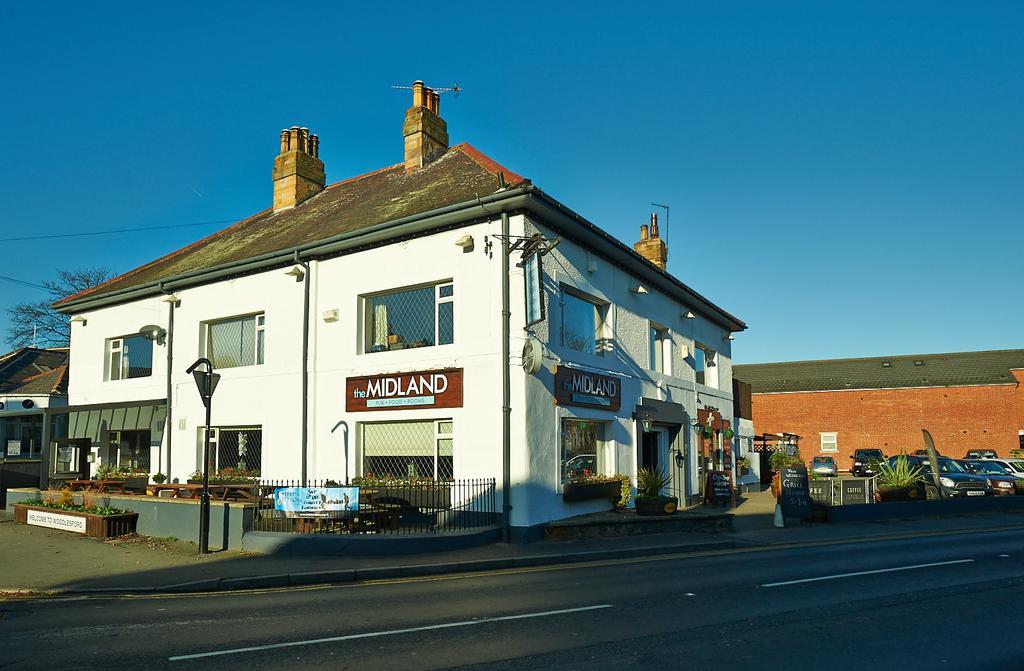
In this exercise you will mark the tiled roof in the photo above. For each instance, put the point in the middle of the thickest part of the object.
(31, 371)
(884, 372)
(458, 176)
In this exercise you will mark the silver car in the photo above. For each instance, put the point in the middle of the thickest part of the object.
(824, 466)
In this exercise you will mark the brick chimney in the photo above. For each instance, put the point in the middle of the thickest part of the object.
(651, 246)
(426, 133)
(298, 170)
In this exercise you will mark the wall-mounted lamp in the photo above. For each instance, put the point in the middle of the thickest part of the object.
(331, 316)
(466, 242)
(153, 333)
(297, 273)
(646, 422)
(680, 459)
(688, 315)
(639, 289)
(728, 336)
(79, 320)
(172, 298)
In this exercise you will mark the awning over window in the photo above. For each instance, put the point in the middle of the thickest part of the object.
(89, 423)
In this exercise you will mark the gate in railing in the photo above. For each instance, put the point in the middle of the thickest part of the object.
(375, 506)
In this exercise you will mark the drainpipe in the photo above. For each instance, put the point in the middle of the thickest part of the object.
(169, 430)
(506, 392)
(305, 366)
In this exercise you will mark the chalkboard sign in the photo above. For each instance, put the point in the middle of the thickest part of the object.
(718, 489)
(794, 494)
(821, 491)
(853, 491)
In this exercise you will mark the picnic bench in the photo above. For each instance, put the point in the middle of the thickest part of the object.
(98, 486)
(218, 492)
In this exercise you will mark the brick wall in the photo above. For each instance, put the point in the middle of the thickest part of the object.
(959, 418)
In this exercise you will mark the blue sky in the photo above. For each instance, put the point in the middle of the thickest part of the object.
(845, 177)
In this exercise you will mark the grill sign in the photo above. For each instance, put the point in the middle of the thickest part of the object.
(399, 391)
(579, 387)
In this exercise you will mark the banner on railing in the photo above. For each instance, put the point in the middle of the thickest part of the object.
(316, 501)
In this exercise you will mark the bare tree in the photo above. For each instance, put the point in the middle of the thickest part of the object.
(38, 323)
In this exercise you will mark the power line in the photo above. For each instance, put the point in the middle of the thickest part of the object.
(23, 282)
(119, 230)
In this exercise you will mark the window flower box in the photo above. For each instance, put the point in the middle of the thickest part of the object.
(586, 491)
(89, 524)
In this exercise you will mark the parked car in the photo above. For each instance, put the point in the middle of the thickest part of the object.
(1014, 465)
(980, 454)
(864, 462)
(1002, 479)
(825, 466)
(955, 481)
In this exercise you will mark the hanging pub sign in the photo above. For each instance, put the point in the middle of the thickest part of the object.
(586, 389)
(405, 391)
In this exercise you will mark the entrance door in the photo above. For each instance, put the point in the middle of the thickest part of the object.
(654, 450)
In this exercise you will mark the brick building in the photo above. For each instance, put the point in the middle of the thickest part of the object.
(966, 400)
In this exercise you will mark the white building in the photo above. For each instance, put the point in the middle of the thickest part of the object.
(358, 329)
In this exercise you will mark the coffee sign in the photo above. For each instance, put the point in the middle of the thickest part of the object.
(590, 390)
(405, 391)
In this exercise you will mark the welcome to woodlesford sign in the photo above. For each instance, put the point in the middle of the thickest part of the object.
(405, 391)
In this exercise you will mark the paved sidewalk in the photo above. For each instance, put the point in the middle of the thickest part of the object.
(48, 561)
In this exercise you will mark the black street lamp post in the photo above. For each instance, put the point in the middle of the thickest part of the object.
(206, 382)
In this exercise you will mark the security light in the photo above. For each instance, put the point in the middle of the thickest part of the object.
(79, 320)
(688, 315)
(639, 289)
(297, 273)
(466, 242)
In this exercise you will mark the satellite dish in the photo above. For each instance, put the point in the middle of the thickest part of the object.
(533, 356)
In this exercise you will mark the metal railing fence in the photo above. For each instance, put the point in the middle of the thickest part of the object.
(386, 507)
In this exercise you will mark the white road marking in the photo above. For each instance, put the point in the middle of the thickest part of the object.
(1004, 556)
(881, 570)
(391, 632)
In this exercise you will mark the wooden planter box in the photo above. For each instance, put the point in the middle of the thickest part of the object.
(97, 526)
(656, 505)
(586, 491)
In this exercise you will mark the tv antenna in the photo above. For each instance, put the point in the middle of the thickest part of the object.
(454, 89)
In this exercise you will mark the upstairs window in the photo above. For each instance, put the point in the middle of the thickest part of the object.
(235, 342)
(829, 442)
(658, 340)
(704, 366)
(128, 357)
(410, 318)
(582, 324)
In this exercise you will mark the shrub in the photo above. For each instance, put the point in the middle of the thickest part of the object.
(899, 473)
(650, 482)
(159, 478)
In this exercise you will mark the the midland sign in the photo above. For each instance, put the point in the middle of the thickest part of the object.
(580, 387)
(405, 391)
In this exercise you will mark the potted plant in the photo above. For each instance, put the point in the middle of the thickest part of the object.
(159, 478)
(589, 486)
(649, 498)
(743, 465)
(898, 481)
(134, 479)
(62, 511)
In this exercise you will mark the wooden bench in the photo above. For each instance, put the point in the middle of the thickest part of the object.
(98, 486)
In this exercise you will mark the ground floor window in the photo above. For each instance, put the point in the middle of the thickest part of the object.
(582, 453)
(129, 449)
(234, 447)
(22, 436)
(408, 449)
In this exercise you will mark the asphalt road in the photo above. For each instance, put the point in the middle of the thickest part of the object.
(927, 603)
